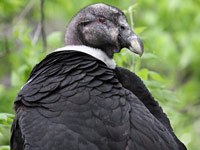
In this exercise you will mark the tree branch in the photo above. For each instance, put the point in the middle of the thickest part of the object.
(42, 25)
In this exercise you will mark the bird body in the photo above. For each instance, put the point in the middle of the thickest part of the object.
(77, 99)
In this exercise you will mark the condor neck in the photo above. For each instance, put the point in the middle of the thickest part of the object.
(72, 39)
(72, 34)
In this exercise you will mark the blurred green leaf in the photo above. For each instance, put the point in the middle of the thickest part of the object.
(143, 73)
(139, 30)
(6, 119)
(156, 76)
(54, 40)
(149, 56)
(6, 147)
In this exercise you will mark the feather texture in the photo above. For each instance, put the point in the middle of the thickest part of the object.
(82, 105)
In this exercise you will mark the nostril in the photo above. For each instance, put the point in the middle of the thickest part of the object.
(85, 23)
(122, 27)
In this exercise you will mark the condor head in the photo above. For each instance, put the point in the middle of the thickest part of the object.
(104, 27)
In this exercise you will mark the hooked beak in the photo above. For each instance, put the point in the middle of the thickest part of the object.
(136, 45)
(131, 41)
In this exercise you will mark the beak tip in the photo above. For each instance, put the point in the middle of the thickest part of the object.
(141, 54)
(137, 47)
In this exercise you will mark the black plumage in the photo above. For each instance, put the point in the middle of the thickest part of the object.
(75, 101)
(127, 78)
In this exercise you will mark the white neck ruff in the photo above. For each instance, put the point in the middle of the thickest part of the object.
(97, 53)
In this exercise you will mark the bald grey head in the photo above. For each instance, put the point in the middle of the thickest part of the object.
(104, 27)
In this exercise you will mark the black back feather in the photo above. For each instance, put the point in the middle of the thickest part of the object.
(74, 101)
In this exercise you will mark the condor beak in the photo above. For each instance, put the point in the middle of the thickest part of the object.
(129, 40)
(136, 45)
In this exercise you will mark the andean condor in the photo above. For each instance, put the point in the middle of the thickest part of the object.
(77, 99)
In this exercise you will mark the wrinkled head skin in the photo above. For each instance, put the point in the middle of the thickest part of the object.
(104, 27)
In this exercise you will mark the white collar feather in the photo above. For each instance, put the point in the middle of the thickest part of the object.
(97, 53)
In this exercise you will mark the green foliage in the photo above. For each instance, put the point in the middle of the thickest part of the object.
(172, 35)
(5, 122)
(169, 66)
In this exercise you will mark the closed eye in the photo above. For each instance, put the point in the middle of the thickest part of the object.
(84, 23)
